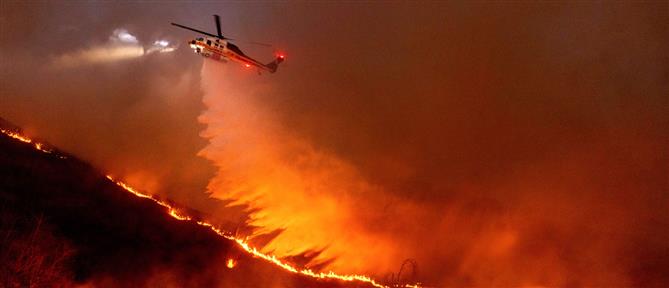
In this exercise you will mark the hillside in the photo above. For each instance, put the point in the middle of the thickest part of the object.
(63, 223)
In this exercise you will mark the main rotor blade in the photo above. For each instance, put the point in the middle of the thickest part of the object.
(259, 43)
(198, 31)
(218, 26)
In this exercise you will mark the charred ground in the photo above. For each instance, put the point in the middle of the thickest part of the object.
(63, 223)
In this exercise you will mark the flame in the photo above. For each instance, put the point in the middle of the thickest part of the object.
(231, 263)
(176, 214)
(172, 211)
(319, 199)
(17, 136)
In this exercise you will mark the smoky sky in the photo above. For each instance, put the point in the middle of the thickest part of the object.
(510, 144)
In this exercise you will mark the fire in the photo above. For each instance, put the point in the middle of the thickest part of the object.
(245, 245)
(175, 213)
(248, 248)
(231, 263)
(17, 136)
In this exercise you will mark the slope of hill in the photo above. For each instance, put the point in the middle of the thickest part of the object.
(63, 223)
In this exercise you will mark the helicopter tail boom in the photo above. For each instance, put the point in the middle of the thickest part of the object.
(272, 66)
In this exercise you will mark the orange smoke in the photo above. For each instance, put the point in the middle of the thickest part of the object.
(175, 213)
(243, 243)
(312, 197)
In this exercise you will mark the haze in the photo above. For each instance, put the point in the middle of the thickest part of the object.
(496, 144)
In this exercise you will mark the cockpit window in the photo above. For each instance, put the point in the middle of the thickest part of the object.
(208, 42)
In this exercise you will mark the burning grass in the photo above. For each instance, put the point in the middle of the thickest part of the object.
(46, 266)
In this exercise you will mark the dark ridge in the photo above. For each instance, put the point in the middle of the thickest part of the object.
(65, 224)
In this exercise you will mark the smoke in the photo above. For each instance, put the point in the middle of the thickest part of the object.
(502, 154)
(161, 46)
(502, 144)
(121, 46)
(311, 196)
(555, 221)
(123, 36)
(109, 90)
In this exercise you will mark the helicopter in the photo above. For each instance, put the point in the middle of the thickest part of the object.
(219, 48)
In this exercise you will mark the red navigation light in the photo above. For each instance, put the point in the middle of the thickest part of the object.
(282, 56)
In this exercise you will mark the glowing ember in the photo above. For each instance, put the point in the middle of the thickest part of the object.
(231, 263)
(174, 212)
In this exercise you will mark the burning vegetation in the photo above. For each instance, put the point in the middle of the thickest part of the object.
(71, 227)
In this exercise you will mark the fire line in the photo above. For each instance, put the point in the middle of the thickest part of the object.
(17, 136)
(174, 212)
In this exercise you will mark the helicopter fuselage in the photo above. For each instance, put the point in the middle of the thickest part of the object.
(219, 48)
(223, 51)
